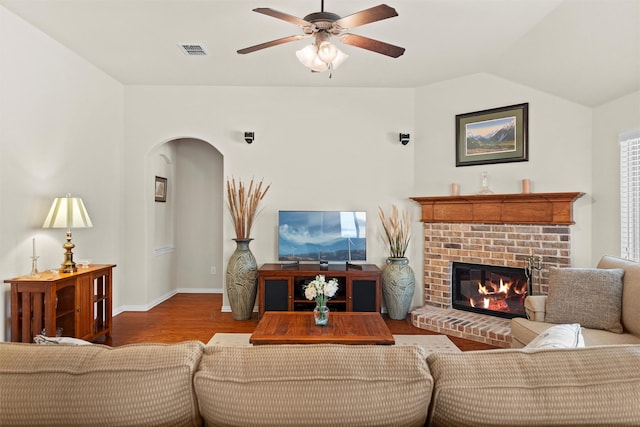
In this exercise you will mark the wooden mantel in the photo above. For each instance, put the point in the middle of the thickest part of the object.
(530, 208)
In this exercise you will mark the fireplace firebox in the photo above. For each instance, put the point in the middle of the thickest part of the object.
(489, 289)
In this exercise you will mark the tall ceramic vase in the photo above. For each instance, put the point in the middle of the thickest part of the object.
(242, 272)
(398, 285)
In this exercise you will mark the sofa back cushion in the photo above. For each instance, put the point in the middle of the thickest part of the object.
(549, 387)
(314, 385)
(95, 385)
(630, 291)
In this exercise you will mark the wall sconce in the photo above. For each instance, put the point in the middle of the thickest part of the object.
(404, 138)
(249, 137)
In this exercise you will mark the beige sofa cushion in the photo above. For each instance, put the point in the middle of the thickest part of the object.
(95, 385)
(314, 385)
(630, 292)
(589, 296)
(549, 387)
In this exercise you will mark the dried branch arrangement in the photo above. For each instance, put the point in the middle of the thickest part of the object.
(243, 203)
(396, 231)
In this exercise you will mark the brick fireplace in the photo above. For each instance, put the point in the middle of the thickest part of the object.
(515, 230)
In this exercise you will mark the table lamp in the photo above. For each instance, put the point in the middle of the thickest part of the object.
(67, 212)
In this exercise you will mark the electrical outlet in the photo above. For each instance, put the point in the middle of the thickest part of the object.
(213, 270)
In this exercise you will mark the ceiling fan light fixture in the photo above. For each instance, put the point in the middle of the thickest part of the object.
(321, 58)
(306, 55)
(340, 58)
(327, 52)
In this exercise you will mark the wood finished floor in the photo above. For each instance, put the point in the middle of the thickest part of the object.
(198, 316)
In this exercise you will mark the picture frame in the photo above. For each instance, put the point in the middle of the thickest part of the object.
(497, 135)
(161, 189)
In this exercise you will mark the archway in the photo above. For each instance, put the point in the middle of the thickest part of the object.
(186, 229)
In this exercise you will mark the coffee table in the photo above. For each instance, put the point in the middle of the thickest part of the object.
(298, 327)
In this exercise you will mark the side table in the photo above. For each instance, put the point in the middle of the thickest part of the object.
(75, 304)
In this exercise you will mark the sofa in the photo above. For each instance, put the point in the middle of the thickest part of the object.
(190, 384)
(615, 319)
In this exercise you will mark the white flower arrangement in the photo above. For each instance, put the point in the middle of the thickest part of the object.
(321, 290)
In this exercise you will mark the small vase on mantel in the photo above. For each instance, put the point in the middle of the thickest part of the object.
(398, 285)
(242, 286)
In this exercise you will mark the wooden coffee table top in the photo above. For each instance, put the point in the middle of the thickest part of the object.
(298, 327)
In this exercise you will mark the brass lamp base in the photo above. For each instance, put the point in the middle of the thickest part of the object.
(68, 266)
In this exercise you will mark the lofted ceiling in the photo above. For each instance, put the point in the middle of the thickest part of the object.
(586, 51)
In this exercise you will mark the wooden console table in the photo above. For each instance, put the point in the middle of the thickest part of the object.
(80, 303)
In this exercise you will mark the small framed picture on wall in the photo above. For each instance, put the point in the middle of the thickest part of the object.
(499, 135)
(161, 189)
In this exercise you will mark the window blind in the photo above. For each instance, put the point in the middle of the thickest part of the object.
(630, 195)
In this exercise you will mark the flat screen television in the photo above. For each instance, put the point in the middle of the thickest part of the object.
(332, 236)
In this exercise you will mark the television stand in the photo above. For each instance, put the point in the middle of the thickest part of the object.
(281, 289)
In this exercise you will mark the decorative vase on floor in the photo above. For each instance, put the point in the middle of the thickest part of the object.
(242, 272)
(398, 284)
(321, 315)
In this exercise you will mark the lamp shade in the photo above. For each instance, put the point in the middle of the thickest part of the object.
(67, 212)
(321, 55)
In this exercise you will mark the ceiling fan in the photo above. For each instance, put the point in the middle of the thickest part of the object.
(321, 26)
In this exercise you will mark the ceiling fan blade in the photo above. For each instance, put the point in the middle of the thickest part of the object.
(376, 13)
(270, 44)
(372, 45)
(284, 16)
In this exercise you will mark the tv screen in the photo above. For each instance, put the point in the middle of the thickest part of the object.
(322, 236)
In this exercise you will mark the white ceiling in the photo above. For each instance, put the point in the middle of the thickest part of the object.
(587, 51)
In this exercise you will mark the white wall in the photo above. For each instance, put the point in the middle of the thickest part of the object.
(199, 217)
(319, 148)
(559, 146)
(609, 120)
(162, 227)
(61, 131)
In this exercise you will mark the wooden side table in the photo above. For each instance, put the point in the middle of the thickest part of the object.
(79, 303)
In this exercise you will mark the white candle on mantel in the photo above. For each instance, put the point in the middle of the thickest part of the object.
(526, 186)
(34, 247)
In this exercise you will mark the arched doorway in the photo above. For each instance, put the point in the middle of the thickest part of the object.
(186, 232)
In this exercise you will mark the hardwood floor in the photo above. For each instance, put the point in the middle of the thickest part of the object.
(198, 316)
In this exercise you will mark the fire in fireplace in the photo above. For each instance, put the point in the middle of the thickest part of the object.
(489, 289)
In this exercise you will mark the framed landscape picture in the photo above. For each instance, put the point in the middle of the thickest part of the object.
(161, 189)
(499, 135)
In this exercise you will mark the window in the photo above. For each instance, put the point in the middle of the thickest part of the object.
(630, 195)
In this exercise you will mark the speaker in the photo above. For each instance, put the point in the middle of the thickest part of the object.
(276, 295)
(363, 293)
(249, 137)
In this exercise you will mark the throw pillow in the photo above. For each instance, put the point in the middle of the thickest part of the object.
(559, 336)
(589, 296)
(41, 339)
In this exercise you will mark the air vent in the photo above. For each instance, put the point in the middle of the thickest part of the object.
(192, 49)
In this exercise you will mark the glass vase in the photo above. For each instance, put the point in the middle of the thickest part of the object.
(321, 315)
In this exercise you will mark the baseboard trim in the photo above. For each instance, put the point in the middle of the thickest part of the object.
(161, 299)
(227, 309)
